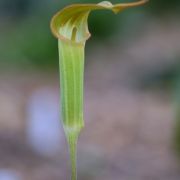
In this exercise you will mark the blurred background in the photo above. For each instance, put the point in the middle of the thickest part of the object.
(132, 99)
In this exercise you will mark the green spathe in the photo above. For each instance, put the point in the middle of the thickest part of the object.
(71, 28)
(71, 81)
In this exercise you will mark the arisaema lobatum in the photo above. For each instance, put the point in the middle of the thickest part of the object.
(70, 27)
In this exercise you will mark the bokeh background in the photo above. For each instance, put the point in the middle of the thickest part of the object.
(132, 94)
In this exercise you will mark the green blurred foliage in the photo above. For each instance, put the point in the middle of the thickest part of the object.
(28, 43)
(177, 112)
(26, 40)
(164, 7)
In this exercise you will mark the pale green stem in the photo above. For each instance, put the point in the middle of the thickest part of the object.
(72, 142)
